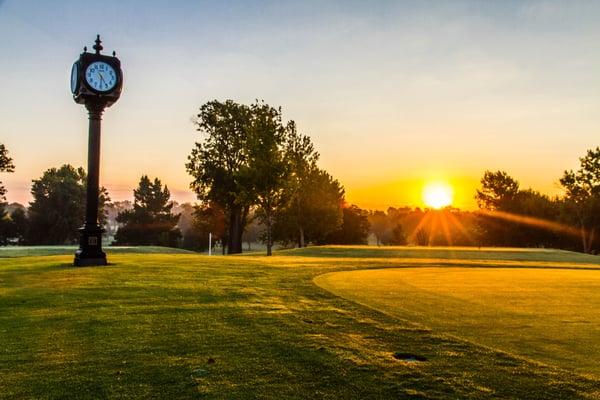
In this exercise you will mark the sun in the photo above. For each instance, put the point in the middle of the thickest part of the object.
(437, 195)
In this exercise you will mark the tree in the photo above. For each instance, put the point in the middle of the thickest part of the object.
(293, 220)
(220, 164)
(397, 237)
(19, 225)
(253, 232)
(496, 189)
(270, 166)
(151, 221)
(379, 223)
(207, 219)
(58, 207)
(313, 210)
(354, 229)
(6, 165)
(387, 227)
(583, 198)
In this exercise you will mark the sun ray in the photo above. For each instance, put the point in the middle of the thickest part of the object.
(445, 229)
(419, 226)
(456, 223)
(532, 221)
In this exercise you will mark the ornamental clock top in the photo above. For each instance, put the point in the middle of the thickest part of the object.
(96, 79)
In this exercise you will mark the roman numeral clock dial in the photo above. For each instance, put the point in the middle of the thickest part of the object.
(101, 76)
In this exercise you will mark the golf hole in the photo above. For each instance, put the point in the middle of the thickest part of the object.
(409, 357)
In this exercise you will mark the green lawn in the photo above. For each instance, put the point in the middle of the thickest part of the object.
(193, 326)
(546, 315)
(29, 251)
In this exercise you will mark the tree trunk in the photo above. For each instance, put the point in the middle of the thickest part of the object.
(269, 234)
(591, 241)
(237, 223)
(301, 240)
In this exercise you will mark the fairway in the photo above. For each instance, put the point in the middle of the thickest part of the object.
(551, 316)
(152, 325)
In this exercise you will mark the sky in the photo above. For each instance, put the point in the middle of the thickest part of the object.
(394, 94)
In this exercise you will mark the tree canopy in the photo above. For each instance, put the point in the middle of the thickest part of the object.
(6, 165)
(583, 198)
(497, 188)
(220, 166)
(150, 221)
(250, 160)
(58, 207)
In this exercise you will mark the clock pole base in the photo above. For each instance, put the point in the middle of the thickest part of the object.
(90, 248)
(81, 261)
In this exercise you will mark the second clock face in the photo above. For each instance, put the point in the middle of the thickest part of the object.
(101, 76)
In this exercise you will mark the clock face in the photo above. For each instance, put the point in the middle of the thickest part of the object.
(101, 76)
(74, 77)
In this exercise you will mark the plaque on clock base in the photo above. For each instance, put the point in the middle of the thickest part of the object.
(90, 248)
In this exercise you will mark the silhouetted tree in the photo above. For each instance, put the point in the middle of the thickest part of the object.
(58, 207)
(422, 237)
(6, 165)
(388, 227)
(380, 226)
(19, 225)
(496, 189)
(583, 198)
(207, 219)
(354, 229)
(151, 221)
(253, 232)
(396, 237)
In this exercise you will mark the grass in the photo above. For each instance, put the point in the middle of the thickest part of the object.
(30, 251)
(549, 315)
(238, 327)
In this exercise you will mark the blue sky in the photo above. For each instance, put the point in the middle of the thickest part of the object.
(394, 94)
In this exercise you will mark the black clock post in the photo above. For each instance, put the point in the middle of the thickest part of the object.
(96, 82)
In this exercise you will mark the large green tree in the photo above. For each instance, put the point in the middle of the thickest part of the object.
(58, 207)
(313, 198)
(6, 165)
(583, 198)
(207, 220)
(151, 221)
(313, 209)
(219, 164)
(270, 166)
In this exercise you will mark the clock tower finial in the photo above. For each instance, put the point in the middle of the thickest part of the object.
(98, 45)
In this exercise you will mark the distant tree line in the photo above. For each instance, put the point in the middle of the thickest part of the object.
(508, 216)
(257, 180)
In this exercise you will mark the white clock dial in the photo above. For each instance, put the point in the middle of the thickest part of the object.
(101, 76)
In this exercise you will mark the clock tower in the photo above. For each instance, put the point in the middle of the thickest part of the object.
(96, 82)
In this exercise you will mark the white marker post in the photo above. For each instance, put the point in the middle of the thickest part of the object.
(210, 244)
